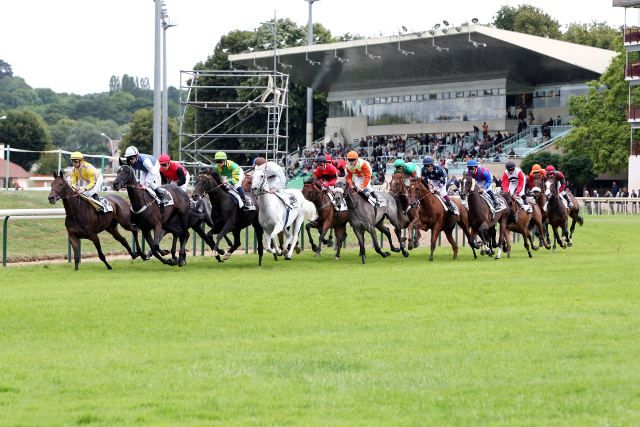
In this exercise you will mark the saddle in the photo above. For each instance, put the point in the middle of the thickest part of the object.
(375, 200)
(501, 204)
(527, 208)
(566, 205)
(167, 201)
(444, 205)
(289, 199)
(102, 207)
(235, 196)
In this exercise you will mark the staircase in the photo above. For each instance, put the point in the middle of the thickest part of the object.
(274, 112)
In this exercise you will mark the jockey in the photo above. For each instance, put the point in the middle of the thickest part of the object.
(437, 177)
(275, 176)
(173, 173)
(339, 164)
(149, 169)
(536, 170)
(233, 175)
(359, 173)
(513, 182)
(483, 179)
(560, 181)
(409, 170)
(326, 173)
(87, 172)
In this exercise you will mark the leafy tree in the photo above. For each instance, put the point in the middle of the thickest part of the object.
(505, 18)
(595, 34)
(128, 84)
(48, 162)
(601, 130)
(532, 20)
(47, 96)
(5, 69)
(114, 85)
(140, 132)
(24, 130)
(578, 169)
(543, 158)
(122, 101)
(60, 131)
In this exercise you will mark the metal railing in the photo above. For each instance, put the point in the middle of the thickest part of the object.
(631, 35)
(634, 148)
(632, 70)
(609, 205)
(633, 112)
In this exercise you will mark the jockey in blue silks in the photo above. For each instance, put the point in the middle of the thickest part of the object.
(436, 175)
(482, 177)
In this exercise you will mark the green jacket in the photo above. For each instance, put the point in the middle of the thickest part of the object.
(230, 170)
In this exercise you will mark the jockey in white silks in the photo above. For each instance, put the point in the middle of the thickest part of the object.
(275, 178)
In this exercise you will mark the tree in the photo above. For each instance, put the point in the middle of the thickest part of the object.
(601, 130)
(128, 84)
(505, 18)
(595, 34)
(5, 69)
(48, 162)
(532, 20)
(577, 169)
(140, 132)
(114, 85)
(47, 96)
(59, 131)
(24, 130)
(543, 158)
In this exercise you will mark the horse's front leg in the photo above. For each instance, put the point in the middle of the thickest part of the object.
(228, 226)
(308, 227)
(383, 228)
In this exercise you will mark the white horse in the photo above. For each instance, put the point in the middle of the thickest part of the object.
(273, 214)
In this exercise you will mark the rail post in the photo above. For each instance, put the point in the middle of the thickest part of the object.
(440, 238)
(246, 240)
(60, 163)
(381, 240)
(456, 234)
(79, 250)
(144, 241)
(464, 236)
(4, 241)
(6, 182)
(195, 246)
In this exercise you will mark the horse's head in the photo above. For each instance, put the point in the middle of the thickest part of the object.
(259, 183)
(396, 186)
(126, 177)
(339, 188)
(59, 188)
(204, 184)
(537, 184)
(467, 185)
(415, 191)
(246, 182)
(311, 189)
(551, 190)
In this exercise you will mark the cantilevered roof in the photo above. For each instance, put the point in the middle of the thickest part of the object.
(520, 58)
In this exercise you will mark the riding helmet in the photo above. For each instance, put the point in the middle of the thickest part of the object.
(536, 168)
(472, 164)
(220, 155)
(259, 161)
(550, 169)
(328, 157)
(352, 155)
(77, 156)
(511, 166)
(131, 152)
(398, 163)
(427, 160)
(164, 159)
(321, 159)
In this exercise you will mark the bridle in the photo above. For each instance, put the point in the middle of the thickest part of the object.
(135, 186)
(260, 190)
(61, 197)
(210, 180)
(553, 190)
(399, 180)
(468, 192)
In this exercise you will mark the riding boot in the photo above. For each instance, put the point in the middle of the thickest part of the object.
(449, 204)
(243, 198)
(160, 195)
(566, 197)
(97, 199)
(495, 202)
(524, 200)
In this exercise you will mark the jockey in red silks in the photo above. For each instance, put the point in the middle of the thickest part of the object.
(561, 183)
(173, 173)
(339, 164)
(326, 173)
(513, 182)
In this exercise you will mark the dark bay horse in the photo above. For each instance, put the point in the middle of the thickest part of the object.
(398, 188)
(557, 214)
(364, 218)
(431, 215)
(83, 222)
(226, 215)
(148, 216)
(328, 216)
(521, 223)
(481, 221)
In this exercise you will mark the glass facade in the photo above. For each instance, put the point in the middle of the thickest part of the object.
(459, 106)
(557, 96)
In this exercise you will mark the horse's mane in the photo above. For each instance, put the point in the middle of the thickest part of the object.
(311, 180)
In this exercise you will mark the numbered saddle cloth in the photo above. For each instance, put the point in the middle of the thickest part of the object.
(376, 201)
(500, 205)
(341, 207)
(102, 204)
(444, 205)
(289, 199)
(166, 201)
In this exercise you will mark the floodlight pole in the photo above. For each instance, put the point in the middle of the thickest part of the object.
(309, 90)
(165, 95)
(156, 82)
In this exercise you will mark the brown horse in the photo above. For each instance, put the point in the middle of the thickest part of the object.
(481, 221)
(148, 216)
(431, 215)
(225, 213)
(328, 216)
(541, 200)
(520, 225)
(83, 222)
(556, 212)
(398, 188)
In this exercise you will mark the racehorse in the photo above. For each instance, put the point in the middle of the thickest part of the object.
(556, 212)
(83, 222)
(148, 216)
(328, 216)
(431, 215)
(226, 215)
(275, 217)
(398, 188)
(482, 222)
(520, 225)
(364, 217)
(541, 200)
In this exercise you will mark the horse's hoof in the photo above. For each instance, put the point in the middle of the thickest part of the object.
(329, 243)
(133, 255)
(109, 267)
(431, 258)
(530, 256)
(221, 251)
(498, 257)
(405, 253)
(395, 250)
(569, 244)
(483, 252)
(297, 249)
(416, 245)
(508, 254)
(386, 254)
(314, 247)
(218, 258)
(364, 260)
(182, 263)
(535, 248)
(287, 258)
(553, 250)
(336, 259)
(226, 257)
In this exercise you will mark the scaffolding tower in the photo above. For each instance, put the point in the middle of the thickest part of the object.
(273, 98)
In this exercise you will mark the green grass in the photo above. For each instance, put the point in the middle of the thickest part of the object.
(551, 341)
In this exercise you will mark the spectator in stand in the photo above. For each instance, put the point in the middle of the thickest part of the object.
(614, 189)
(485, 130)
(622, 206)
(299, 151)
(530, 119)
(634, 205)
(535, 137)
(475, 129)
(380, 178)
(512, 153)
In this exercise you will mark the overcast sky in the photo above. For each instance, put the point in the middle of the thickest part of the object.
(77, 45)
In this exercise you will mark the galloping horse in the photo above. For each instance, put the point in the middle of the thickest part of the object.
(328, 216)
(363, 217)
(148, 216)
(431, 215)
(398, 188)
(83, 222)
(226, 215)
(520, 225)
(275, 217)
(482, 221)
(556, 212)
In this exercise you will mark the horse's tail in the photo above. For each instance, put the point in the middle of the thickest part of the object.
(308, 210)
(580, 220)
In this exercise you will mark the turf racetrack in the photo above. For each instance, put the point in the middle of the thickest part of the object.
(548, 341)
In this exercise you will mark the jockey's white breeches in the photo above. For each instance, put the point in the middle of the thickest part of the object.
(151, 178)
(513, 187)
(186, 182)
(358, 180)
(441, 189)
(96, 187)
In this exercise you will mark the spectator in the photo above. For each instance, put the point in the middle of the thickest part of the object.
(623, 194)
(485, 130)
(535, 137)
(512, 153)
(299, 151)
(614, 189)
(634, 206)
(530, 119)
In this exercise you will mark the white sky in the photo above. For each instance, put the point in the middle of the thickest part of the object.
(77, 45)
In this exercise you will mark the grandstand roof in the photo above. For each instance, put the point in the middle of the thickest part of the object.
(522, 59)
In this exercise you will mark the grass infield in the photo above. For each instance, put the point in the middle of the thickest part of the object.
(552, 340)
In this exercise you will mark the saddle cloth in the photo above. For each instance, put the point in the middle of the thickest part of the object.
(235, 196)
(166, 202)
(289, 199)
(341, 207)
(103, 204)
(376, 201)
(527, 208)
(566, 205)
(444, 205)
